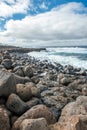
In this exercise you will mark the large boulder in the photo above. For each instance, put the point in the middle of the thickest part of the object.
(24, 92)
(7, 83)
(73, 116)
(34, 124)
(75, 122)
(16, 105)
(37, 111)
(4, 119)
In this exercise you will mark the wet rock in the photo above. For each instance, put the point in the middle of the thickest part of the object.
(38, 111)
(16, 105)
(24, 92)
(4, 119)
(34, 124)
(7, 83)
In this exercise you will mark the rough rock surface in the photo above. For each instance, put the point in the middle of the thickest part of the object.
(24, 92)
(51, 86)
(7, 63)
(16, 105)
(37, 111)
(73, 116)
(28, 71)
(7, 83)
(20, 79)
(4, 119)
(34, 124)
(35, 91)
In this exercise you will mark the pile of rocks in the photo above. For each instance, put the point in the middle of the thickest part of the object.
(37, 95)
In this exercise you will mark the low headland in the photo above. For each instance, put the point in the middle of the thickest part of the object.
(37, 95)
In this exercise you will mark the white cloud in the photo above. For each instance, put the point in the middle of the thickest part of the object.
(62, 23)
(10, 7)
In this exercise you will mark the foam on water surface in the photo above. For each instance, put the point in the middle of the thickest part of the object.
(73, 56)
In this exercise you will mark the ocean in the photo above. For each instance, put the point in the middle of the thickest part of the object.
(75, 56)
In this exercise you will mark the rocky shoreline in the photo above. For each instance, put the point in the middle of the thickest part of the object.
(37, 95)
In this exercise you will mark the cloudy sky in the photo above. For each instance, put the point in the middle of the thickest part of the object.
(43, 22)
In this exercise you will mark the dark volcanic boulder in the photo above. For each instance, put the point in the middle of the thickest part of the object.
(16, 105)
(7, 83)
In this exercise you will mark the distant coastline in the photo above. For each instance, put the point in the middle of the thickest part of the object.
(19, 49)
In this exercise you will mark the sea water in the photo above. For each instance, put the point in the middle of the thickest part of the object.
(75, 56)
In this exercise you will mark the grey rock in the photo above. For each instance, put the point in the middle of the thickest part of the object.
(16, 105)
(28, 71)
(21, 80)
(7, 63)
(33, 102)
(7, 83)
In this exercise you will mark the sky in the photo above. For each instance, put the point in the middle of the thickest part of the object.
(43, 22)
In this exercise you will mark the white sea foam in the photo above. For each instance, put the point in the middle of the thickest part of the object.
(68, 50)
(52, 55)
